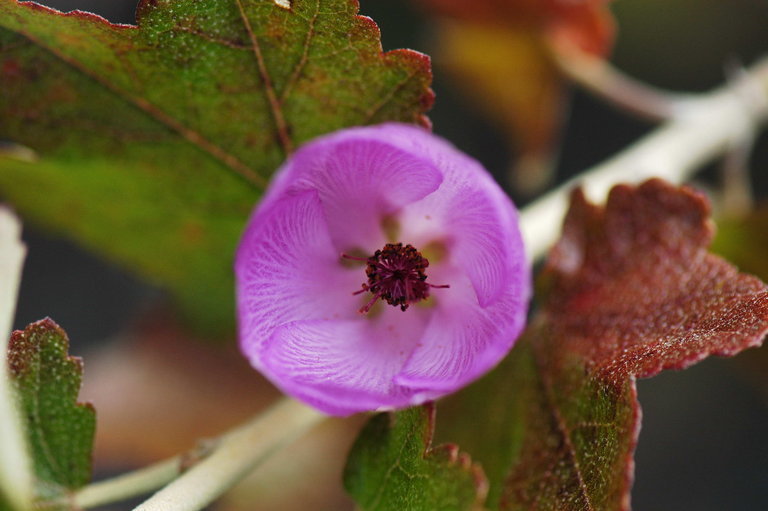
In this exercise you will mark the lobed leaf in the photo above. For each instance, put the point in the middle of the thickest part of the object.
(499, 53)
(628, 291)
(394, 466)
(60, 431)
(154, 142)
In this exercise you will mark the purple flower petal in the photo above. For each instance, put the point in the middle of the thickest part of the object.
(326, 360)
(287, 269)
(432, 256)
(464, 339)
(360, 180)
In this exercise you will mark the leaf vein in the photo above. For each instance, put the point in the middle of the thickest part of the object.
(388, 474)
(160, 116)
(371, 113)
(564, 431)
(269, 88)
(36, 418)
(304, 55)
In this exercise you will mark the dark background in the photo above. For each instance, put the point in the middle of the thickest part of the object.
(703, 445)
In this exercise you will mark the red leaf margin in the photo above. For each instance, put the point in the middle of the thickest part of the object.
(642, 261)
(418, 60)
(632, 290)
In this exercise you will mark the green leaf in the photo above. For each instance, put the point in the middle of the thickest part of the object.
(154, 142)
(60, 431)
(393, 466)
(629, 290)
(561, 440)
(744, 241)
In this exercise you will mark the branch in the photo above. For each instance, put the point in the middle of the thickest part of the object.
(700, 129)
(129, 485)
(15, 467)
(231, 457)
(599, 77)
(234, 457)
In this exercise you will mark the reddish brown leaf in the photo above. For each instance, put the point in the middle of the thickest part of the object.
(629, 290)
(635, 291)
(588, 24)
(500, 54)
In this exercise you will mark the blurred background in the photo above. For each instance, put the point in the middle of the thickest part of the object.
(703, 445)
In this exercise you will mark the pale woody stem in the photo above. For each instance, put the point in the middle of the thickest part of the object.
(602, 79)
(236, 454)
(129, 485)
(15, 467)
(229, 458)
(700, 129)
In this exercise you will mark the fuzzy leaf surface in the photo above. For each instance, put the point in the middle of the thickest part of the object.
(60, 430)
(629, 290)
(154, 142)
(393, 466)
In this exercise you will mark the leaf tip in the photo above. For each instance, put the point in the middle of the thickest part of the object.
(285, 4)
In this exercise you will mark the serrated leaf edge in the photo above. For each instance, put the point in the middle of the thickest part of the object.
(45, 326)
(421, 60)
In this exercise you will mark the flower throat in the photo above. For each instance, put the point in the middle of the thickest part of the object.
(396, 275)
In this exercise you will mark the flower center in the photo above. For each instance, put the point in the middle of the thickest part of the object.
(396, 275)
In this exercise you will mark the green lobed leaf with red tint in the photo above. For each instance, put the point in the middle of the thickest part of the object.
(393, 466)
(154, 142)
(60, 430)
(628, 291)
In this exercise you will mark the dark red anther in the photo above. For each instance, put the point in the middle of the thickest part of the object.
(396, 275)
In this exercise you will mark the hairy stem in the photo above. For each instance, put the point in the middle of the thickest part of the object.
(737, 199)
(700, 129)
(599, 77)
(238, 453)
(229, 458)
(129, 485)
(15, 466)
(737, 193)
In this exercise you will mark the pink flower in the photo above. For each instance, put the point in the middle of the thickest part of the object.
(383, 268)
